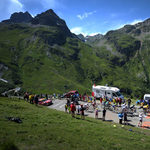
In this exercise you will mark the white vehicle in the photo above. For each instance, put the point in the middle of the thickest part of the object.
(110, 92)
(146, 97)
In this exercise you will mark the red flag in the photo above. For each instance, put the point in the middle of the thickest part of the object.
(94, 84)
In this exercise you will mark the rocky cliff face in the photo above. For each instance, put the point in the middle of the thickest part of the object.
(19, 18)
(49, 18)
(90, 39)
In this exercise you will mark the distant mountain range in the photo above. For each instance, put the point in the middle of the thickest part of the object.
(40, 54)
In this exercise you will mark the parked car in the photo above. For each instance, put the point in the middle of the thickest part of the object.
(44, 102)
(69, 93)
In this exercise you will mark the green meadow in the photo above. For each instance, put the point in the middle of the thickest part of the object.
(44, 128)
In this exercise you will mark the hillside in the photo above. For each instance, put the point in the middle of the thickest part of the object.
(44, 128)
(131, 46)
(43, 56)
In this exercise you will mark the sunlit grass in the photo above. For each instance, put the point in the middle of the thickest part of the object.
(44, 128)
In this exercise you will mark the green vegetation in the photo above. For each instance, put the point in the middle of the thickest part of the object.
(5, 86)
(44, 128)
(44, 59)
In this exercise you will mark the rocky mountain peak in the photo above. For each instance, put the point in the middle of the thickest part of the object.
(19, 18)
(49, 18)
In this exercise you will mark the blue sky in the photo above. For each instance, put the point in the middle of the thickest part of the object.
(87, 17)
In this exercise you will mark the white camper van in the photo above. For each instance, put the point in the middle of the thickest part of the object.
(110, 92)
(146, 97)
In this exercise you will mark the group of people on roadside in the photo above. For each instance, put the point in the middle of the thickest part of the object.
(71, 107)
(118, 102)
(31, 98)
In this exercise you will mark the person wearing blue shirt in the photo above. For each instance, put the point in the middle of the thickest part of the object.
(120, 117)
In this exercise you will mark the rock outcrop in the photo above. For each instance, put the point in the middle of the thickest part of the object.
(19, 18)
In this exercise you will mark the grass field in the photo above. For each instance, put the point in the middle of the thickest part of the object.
(44, 128)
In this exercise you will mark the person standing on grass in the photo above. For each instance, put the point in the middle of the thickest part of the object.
(82, 111)
(125, 118)
(78, 109)
(72, 107)
(66, 106)
(120, 117)
(104, 114)
(36, 100)
(140, 120)
(96, 113)
(31, 97)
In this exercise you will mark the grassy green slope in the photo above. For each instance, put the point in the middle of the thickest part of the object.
(39, 63)
(44, 128)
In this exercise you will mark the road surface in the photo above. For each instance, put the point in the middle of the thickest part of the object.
(110, 116)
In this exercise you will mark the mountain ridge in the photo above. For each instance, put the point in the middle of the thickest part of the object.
(44, 56)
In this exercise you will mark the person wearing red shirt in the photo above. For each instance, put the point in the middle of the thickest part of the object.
(72, 107)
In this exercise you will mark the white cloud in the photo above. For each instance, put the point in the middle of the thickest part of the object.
(79, 30)
(92, 34)
(120, 24)
(136, 21)
(76, 30)
(17, 3)
(85, 15)
(83, 31)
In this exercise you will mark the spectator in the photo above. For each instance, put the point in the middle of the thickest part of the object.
(36, 100)
(140, 120)
(82, 111)
(31, 97)
(26, 96)
(72, 107)
(96, 113)
(120, 101)
(110, 99)
(78, 109)
(125, 118)
(54, 95)
(117, 101)
(66, 106)
(129, 102)
(123, 100)
(120, 117)
(104, 113)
